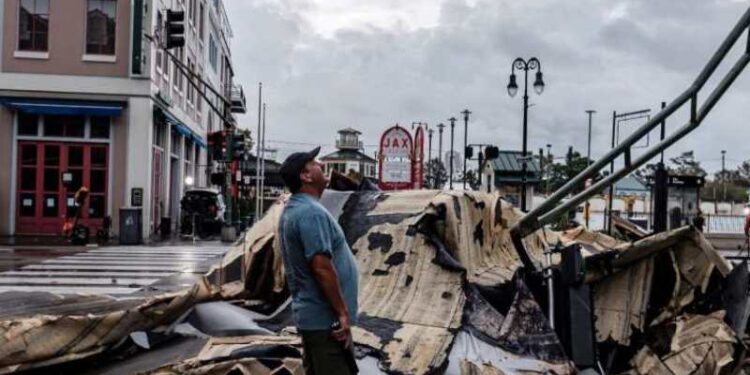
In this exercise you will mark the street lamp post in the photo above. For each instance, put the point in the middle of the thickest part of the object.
(453, 127)
(440, 127)
(466, 114)
(525, 65)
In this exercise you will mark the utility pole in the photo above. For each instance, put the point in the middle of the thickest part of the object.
(453, 127)
(724, 173)
(610, 201)
(429, 155)
(257, 155)
(440, 127)
(549, 167)
(261, 194)
(587, 210)
(466, 114)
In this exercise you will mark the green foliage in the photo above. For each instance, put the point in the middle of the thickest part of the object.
(435, 171)
(559, 173)
(472, 179)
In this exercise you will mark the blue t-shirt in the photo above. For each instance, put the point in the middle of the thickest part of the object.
(306, 228)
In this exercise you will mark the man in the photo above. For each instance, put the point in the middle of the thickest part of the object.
(321, 270)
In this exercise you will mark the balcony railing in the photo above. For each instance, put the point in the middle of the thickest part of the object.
(355, 145)
(237, 96)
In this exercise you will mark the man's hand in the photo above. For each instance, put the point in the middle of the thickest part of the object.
(344, 332)
(327, 279)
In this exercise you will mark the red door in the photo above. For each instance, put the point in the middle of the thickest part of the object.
(42, 200)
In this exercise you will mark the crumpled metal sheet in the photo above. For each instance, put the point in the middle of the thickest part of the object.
(432, 264)
(246, 355)
(622, 297)
(417, 253)
(702, 344)
(36, 340)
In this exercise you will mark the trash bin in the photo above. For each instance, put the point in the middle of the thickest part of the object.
(131, 226)
(165, 228)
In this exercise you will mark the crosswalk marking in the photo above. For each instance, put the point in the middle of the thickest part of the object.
(95, 267)
(70, 290)
(73, 273)
(111, 281)
(110, 270)
(119, 261)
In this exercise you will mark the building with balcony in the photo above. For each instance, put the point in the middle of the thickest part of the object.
(349, 156)
(505, 174)
(86, 88)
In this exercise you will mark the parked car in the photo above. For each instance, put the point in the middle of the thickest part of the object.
(205, 207)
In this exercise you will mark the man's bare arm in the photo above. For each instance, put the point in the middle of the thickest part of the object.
(327, 279)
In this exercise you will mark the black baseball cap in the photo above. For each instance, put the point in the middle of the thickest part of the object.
(294, 165)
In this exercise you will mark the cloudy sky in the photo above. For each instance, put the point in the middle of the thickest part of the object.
(330, 64)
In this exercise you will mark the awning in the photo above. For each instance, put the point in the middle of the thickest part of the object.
(183, 129)
(63, 107)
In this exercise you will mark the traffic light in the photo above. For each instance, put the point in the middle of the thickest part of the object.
(217, 145)
(491, 152)
(218, 178)
(469, 152)
(238, 146)
(175, 29)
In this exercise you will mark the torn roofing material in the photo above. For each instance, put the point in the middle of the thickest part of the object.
(434, 266)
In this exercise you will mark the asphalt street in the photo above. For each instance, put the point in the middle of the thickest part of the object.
(110, 270)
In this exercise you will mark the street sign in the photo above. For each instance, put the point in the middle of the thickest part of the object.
(396, 159)
(136, 197)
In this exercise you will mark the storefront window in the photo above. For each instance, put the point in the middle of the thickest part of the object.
(28, 124)
(100, 127)
(98, 157)
(64, 126)
(75, 156)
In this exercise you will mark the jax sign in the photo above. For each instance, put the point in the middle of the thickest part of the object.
(396, 158)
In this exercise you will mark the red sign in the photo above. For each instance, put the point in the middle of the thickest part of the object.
(396, 158)
(419, 158)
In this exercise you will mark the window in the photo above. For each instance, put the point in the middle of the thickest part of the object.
(28, 124)
(33, 25)
(190, 92)
(191, 11)
(213, 52)
(101, 20)
(201, 11)
(100, 127)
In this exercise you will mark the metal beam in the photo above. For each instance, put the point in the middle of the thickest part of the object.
(551, 208)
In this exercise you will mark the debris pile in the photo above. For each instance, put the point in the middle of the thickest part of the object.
(442, 290)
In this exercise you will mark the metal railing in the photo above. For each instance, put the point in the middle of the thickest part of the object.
(552, 208)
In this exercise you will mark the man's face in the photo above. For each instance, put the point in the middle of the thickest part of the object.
(314, 176)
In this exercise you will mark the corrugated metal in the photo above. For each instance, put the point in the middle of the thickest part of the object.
(508, 161)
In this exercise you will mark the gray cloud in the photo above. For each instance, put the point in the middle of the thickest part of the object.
(595, 54)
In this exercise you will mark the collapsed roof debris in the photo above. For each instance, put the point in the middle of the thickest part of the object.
(442, 291)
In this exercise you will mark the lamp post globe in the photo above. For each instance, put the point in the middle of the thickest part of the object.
(512, 86)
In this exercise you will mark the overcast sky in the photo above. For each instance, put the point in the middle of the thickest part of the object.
(330, 64)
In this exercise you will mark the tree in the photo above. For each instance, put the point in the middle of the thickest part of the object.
(560, 173)
(435, 171)
(472, 179)
(743, 173)
(686, 164)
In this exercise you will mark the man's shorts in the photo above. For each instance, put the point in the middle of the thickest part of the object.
(323, 355)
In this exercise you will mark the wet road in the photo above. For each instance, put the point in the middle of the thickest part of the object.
(115, 270)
